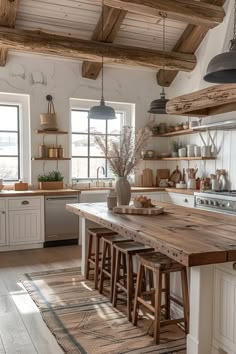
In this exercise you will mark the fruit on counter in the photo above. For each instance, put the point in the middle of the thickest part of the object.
(143, 202)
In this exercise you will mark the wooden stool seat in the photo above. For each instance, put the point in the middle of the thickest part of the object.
(159, 261)
(109, 260)
(93, 258)
(160, 265)
(125, 282)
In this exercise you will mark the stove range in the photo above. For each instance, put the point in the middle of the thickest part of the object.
(223, 201)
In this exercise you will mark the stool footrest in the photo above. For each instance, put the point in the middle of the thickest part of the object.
(172, 321)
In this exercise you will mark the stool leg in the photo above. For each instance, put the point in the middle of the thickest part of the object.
(89, 251)
(167, 296)
(137, 293)
(96, 267)
(113, 264)
(157, 313)
(130, 285)
(104, 248)
(116, 278)
(185, 299)
(151, 286)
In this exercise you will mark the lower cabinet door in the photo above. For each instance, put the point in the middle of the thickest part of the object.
(224, 331)
(24, 226)
(2, 227)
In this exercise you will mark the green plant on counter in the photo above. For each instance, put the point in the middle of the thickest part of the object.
(52, 176)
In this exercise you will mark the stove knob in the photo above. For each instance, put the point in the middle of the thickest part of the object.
(228, 205)
(216, 203)
(211, 202)
(206, 201)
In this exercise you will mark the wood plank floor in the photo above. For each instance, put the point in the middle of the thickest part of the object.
(22, 329)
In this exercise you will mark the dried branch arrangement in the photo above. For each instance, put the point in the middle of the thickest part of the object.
(123, 152)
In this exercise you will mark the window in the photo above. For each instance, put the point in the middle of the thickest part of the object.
(86, 155)
(14, 140)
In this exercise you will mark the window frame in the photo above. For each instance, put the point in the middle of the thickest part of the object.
(84, 105)
(24, 148)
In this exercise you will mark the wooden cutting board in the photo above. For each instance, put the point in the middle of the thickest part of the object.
(124, 209)
(147, 177)
(162, 174)
(176, 176)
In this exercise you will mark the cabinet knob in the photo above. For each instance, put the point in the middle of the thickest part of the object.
(186, 200)
(234, 265)
(24, 202)
(3, 212)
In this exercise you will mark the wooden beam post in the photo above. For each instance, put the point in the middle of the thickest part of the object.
(8, 9)
(190, 40)
(113, 19)
(189, 11)
(67, 47)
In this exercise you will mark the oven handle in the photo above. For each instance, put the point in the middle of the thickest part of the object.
(61, 198)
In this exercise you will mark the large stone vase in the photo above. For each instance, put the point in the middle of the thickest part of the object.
(123, 190)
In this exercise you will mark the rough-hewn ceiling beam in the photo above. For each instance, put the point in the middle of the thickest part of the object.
(8, 10)
(188, 11)
(112, 20)
(67, 47)
(188, 43)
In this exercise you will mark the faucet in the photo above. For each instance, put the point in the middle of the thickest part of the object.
(103, 171)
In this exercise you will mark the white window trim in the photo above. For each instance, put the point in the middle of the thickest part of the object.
(24, 119)
(83, 104)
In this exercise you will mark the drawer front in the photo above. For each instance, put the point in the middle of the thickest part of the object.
(181, 199)
(2, 204)
(24, 203)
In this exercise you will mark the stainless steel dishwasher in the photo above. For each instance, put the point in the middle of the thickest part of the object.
(60, 224)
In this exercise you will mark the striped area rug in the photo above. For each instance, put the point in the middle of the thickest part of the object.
(83, 321)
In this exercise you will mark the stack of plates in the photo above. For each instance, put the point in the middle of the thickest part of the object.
(190, 150)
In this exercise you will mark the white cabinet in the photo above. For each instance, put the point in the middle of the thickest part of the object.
(2, 221)
(21, 222)
(224, 330)
(179, 199)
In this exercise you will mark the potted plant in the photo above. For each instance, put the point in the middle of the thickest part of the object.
(123, 154)
(175, 148)
(52, 180)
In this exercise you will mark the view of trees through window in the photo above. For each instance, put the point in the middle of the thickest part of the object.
(86, 155)
(9, 142)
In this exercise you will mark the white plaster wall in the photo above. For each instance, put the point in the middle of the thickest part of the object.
(216, 42)
(38, 76)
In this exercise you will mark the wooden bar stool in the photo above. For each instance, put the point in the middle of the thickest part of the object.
(160, 265)
(109, 260)
(125, 252)
(93, 258)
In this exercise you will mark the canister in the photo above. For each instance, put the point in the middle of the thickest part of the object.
(60, 151)
(42, 150)
(52, 151)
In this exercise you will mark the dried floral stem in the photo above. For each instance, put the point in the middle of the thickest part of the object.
(123, 152)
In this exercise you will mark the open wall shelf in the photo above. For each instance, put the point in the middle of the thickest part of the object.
(51, 132)
(50, 158)
(175, 133)
(178, 158)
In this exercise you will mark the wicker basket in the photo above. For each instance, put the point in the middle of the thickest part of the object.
(51, 185)
(48, 121)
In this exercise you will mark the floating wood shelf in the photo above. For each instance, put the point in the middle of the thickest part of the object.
(175, 133)
(178, 158)
(210, 101)
(52, 132)
(50, 158)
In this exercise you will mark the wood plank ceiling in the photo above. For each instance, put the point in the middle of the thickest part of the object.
(128, 23)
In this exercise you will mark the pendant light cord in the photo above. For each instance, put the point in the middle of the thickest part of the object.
(102, 98)
(164, 16)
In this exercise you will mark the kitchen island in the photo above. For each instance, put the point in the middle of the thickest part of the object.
(196, 238)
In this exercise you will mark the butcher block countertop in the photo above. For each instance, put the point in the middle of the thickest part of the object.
(190, 236)
(13, 193)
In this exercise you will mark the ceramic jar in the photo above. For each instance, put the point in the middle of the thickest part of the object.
(111, 200)
(123, 190)
(191, 184)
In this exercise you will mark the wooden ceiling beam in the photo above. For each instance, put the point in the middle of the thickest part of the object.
(8, 9)
(112, 20)
(212, 100)
(189, 42)
(67, 47)
(188, 11)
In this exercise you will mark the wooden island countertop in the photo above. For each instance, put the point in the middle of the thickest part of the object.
(190, 236)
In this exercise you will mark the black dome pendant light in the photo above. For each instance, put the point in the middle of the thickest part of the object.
(222, 68)
(102, 111)
(159, 106)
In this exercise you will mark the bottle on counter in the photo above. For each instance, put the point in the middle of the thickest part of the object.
(111, 200)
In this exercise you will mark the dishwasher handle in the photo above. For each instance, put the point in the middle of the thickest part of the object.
(69, 198)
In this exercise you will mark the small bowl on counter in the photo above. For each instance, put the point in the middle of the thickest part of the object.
(164, 154)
